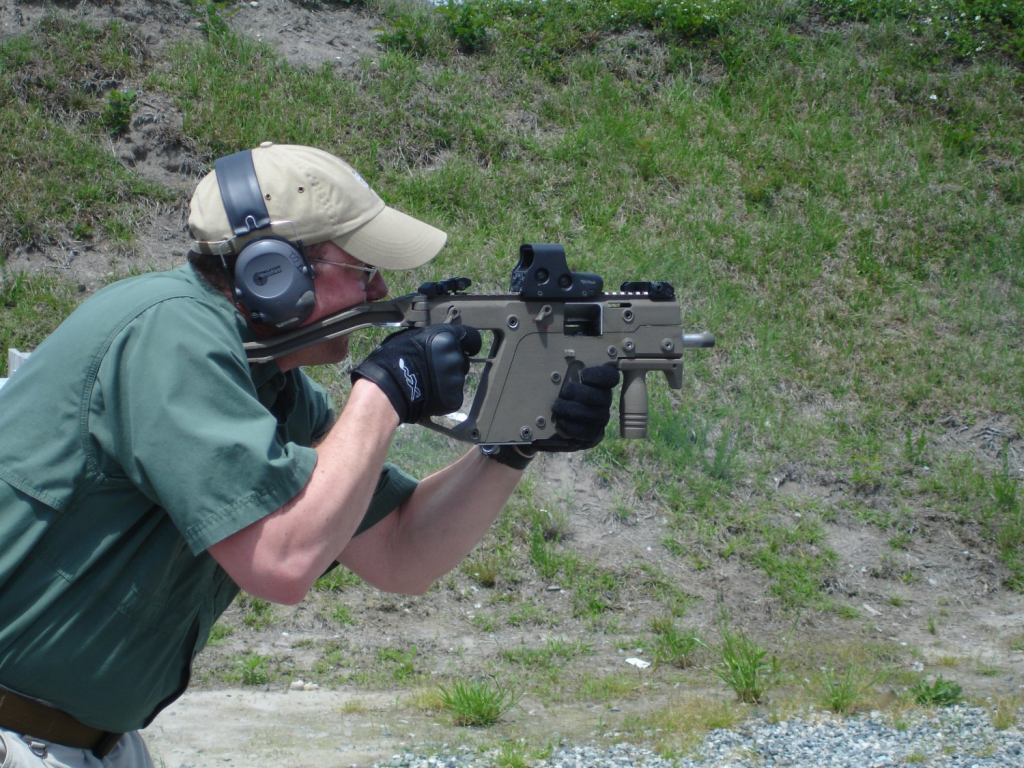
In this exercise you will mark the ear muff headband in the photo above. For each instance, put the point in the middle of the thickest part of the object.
(272, 278)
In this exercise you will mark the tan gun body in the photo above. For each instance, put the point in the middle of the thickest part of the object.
(537, 345)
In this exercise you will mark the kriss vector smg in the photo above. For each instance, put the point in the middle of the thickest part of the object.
(551, 325)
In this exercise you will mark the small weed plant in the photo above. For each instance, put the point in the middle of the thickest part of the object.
(479, 702)
(408, 31)
(253, 669)
(467, 24)
(117, 114)
(939, 693)
(212, 16)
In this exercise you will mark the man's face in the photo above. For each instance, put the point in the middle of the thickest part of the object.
(338, 288)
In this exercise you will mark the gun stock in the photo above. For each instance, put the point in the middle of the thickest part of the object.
(552, 325)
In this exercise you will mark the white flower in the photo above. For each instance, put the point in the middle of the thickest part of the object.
(933, 97)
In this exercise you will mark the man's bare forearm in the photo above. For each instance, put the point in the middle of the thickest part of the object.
(280, 556)
(447, 515)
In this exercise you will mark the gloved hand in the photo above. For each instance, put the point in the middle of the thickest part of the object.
(422, 371)
(581, 410)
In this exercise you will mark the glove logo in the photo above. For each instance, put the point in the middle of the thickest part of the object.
(410, 381)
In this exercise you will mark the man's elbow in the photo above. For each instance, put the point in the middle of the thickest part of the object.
(280, 585)
(401, 584)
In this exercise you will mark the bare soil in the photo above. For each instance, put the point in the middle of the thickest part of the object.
(953, 618)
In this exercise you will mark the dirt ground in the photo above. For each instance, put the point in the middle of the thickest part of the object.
(957, 615)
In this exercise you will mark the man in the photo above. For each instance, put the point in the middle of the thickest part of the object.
(148, 473)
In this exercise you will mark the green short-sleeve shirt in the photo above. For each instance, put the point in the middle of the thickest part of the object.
(135, 437)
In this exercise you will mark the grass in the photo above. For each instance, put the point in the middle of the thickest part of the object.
(834, 188)
(749, 669)
(252, 669)
(477, 702)
(681, 725)
(673, 645)
(60, 184)
(842, 691)
(940, 692)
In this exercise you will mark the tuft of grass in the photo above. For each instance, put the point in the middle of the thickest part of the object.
(342, 614)
(674, 646)
(220, 633)
(513, 753)
(484, 569)
(551, 526)
(841, 692)
(745, 666)
(1004, 711)
(479, 702)
(259, 613)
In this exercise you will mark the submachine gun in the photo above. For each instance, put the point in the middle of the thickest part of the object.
(551, 325)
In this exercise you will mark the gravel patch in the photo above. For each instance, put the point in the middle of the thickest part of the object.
(954, 737)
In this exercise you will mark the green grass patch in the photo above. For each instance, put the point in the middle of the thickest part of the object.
(477, 702)
(31, 307)
(59, 182)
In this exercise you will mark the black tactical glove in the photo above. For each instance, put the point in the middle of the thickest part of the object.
(422, 371)
(581, 410)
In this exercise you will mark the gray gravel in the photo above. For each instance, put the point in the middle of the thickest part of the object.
(953, 737)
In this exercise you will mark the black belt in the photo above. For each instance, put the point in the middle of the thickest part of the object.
(32, 717)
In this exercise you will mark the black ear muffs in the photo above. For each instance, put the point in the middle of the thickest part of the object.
(273, 278)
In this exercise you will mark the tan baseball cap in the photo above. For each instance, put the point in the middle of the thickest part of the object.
(313, 196)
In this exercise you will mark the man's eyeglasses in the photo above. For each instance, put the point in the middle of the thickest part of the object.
(370, 271)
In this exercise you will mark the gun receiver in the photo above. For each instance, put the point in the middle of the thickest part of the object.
(551, 325)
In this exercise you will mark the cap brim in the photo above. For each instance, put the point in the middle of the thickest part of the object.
(393, 240)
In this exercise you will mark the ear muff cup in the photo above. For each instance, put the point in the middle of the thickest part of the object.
(273, 279)
(274, 282)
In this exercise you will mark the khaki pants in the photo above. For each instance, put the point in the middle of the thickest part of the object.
(17, 751)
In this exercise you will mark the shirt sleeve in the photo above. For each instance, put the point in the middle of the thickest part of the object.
(320, 407)
(174, 412)
(393, 487)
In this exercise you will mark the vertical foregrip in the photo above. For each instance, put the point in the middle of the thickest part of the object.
(633, 404)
